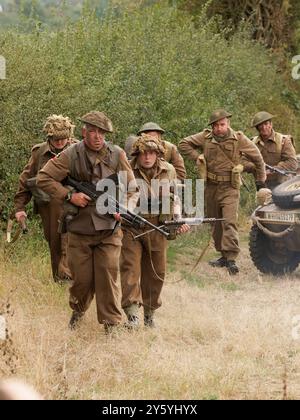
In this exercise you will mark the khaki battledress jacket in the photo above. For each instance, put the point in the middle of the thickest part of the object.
(221, 198)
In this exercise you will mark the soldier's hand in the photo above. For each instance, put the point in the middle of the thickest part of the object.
(117, 217)
(183, 229)
(80, 199)
(20, 216)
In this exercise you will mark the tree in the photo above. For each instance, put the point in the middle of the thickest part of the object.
(274, 22)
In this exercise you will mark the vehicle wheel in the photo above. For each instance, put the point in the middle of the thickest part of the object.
(284, 195)
(271, 256)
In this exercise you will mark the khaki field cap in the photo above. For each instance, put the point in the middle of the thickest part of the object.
(218, 115)
(150, 126)
(98, 119)
(260, 118)
(146, 142)
(58, 127)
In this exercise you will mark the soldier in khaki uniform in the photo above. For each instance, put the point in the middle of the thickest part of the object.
(94, 245)
(59, 131)
(171, 152)
(143, 260)
(277, 150)
(219, 150)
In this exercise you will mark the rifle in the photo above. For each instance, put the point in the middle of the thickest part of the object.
(280, 171)
(133, 219)
(171, 226)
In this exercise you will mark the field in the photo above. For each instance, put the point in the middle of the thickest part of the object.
(218, 337)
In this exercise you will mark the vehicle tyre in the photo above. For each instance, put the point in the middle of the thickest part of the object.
(271, 256)
(284, 195)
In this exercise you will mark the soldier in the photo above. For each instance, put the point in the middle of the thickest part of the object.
(277, 150)
(94, 243)
(171, 152)
(219, 150)
(128, 147)
(59, 132)
(143, 260)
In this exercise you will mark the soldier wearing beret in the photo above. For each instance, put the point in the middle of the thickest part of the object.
(94, 243)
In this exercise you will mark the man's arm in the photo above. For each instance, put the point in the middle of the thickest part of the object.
(178, 163)
(23, 195)
(251, 152)
(190, 146)
(50, 176)
(132, 188)
(288, 161)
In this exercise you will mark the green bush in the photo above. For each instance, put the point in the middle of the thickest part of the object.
(151, 64)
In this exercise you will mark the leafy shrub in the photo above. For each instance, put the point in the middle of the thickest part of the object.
(147, 65)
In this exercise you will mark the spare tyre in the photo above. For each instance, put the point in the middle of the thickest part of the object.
(287, 194)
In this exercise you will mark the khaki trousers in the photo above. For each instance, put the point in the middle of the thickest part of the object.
(58, 243)
(140, 284)
(94, 264)
(222, 201)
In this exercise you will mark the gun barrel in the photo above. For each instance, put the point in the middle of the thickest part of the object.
(278, 171)
(192, 221)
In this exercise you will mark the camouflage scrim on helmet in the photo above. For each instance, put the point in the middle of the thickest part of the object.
(218, 115)
(261, 117)
(145, 143)
(98, 119)
(150, 126)
(58, 127)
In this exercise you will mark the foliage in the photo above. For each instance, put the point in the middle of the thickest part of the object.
(150, 64)
(273, 23)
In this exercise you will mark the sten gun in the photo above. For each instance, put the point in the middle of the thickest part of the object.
(280, 171)
(133, 219)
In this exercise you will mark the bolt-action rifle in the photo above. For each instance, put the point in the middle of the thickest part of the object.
(172, 226)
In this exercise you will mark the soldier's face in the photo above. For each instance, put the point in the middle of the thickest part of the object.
(221, 127)
(265, 129)
(93, 137)
(59, 144)
(156, 134)
(147, 159)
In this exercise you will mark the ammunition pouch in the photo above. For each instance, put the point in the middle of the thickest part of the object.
(40, 197)
(236, 181)
(202, 167)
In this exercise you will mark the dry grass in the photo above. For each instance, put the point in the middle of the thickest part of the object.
(218, 337)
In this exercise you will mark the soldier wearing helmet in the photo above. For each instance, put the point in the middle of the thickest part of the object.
(94, 240)
(277, 149)
(219, 151)
(171, 154)
(143, 260)
(59, 133)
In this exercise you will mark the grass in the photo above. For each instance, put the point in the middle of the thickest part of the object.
(218, 337)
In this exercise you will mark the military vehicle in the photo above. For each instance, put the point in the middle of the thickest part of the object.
(275, 235)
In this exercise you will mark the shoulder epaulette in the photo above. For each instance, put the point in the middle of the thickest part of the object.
(38, 146)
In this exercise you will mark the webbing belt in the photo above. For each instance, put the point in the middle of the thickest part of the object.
(218, 178)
